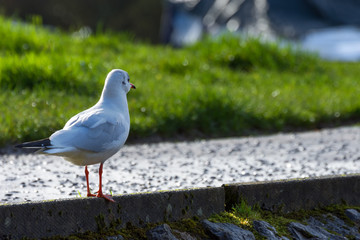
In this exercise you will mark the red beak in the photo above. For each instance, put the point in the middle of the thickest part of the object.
(132, 86)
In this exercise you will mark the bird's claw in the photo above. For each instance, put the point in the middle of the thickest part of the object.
(106, 197)
(101, 195)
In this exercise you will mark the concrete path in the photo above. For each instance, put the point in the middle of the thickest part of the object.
(165, 166)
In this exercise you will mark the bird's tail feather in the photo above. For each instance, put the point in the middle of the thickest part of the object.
(39, 144)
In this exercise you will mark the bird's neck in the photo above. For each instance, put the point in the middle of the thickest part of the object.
(118, 102)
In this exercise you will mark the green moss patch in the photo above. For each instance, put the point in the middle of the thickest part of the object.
(241, 215)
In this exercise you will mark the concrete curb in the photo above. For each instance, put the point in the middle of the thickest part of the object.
(295, 194)
(65, 217)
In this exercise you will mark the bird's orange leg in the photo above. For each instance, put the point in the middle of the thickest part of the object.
(89, 194)
(99, 193)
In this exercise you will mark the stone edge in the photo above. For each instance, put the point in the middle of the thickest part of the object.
(295, 194)
(69, 216)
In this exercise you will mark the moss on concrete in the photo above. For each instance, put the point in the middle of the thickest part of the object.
(241, 215)
(244, 215)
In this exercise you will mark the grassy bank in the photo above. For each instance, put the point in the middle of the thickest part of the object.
(221, 87)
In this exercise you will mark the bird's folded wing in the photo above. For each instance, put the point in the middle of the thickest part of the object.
(91, 132)
(90, 118)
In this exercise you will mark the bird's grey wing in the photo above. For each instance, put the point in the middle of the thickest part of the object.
(90, 117)
(93, 133)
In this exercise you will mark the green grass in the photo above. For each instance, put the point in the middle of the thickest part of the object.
(243, 215)
(221, 87)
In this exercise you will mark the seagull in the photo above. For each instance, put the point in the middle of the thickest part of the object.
(94, 135)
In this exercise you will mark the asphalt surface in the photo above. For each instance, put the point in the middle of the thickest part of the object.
(165, 166)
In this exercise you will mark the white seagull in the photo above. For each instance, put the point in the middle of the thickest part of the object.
(94, 135)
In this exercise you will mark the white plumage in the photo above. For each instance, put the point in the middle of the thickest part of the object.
(94, 135)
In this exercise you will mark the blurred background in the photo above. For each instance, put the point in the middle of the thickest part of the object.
(139, 17)
(203, 68)
(314, 24)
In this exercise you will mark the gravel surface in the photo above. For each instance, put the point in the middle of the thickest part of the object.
(164, 166)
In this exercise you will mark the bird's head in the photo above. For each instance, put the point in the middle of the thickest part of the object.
(117, 80)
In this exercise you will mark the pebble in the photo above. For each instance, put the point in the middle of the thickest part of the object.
(160, 232)
(353, 215)
(303, 232)
(334, 224)
(266, 230)
(166, 166)
(226, 231)
(118, 237)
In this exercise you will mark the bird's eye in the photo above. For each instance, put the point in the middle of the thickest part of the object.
(128, 79)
